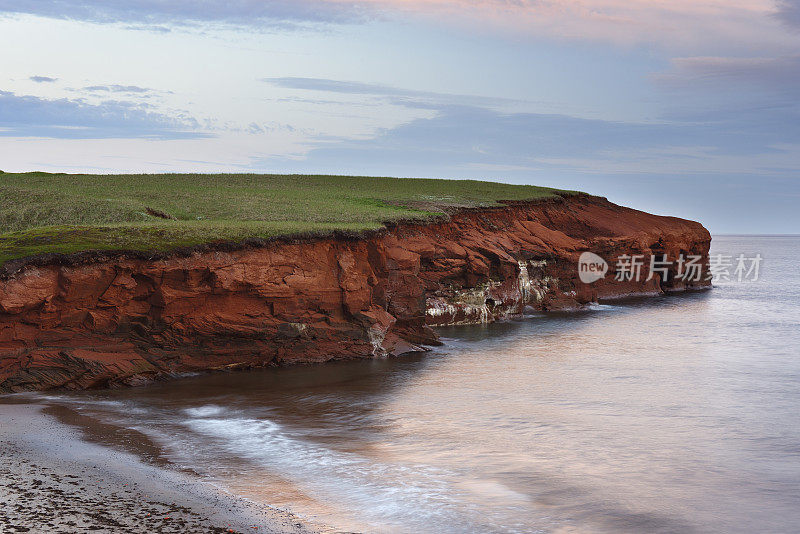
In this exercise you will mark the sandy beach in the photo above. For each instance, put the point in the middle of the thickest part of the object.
(53, 478)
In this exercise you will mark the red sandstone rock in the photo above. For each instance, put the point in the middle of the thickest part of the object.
(106, 323)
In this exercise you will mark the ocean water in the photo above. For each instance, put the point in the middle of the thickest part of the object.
(674, 414)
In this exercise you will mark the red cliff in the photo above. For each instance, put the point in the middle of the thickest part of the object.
(94, 321)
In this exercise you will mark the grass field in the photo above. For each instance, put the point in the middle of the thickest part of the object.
(64, 213)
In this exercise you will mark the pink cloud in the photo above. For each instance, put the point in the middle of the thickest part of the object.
(682, 24)
(690, 27)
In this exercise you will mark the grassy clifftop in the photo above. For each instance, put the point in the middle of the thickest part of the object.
(65, 213)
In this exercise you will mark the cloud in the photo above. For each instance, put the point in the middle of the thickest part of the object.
(461, 137)
(117, 89)
(189, 12)
(676, 24)
(42, 79)
(479, 134)
(31, 116)
(673, 24)
(338, 86)
(396, 95)
(779, 73)
(789, 12)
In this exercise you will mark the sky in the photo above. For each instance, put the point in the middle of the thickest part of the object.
(681, 107)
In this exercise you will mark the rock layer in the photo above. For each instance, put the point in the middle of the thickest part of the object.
(98, 323)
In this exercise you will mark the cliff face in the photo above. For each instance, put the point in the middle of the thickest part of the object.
(104, 323)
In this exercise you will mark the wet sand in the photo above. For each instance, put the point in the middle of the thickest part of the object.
(53, 479)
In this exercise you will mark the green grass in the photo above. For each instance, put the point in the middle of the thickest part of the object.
(65, 213)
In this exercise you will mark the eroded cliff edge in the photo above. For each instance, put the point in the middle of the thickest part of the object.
(103, 322)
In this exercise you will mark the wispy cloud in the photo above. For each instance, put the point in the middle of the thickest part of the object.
(187, 12)
(462, 136)
(31, 116)
(43, 79)
(339, 86)
(778, 73)
(396, 95)
(675, 24)
(117, 89)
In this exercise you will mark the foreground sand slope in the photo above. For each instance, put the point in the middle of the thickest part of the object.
(53, 480)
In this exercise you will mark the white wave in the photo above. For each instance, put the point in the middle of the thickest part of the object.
(600, 307)
(210, 410)
(89, 403)
(387, 494)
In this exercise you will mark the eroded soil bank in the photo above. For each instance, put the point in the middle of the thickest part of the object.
(122, 320)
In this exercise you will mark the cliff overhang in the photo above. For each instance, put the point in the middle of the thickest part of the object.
(120, 318)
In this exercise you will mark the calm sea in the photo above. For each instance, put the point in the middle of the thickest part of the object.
(673, 414)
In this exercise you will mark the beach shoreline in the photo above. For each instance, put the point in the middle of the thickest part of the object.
(55, 478)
